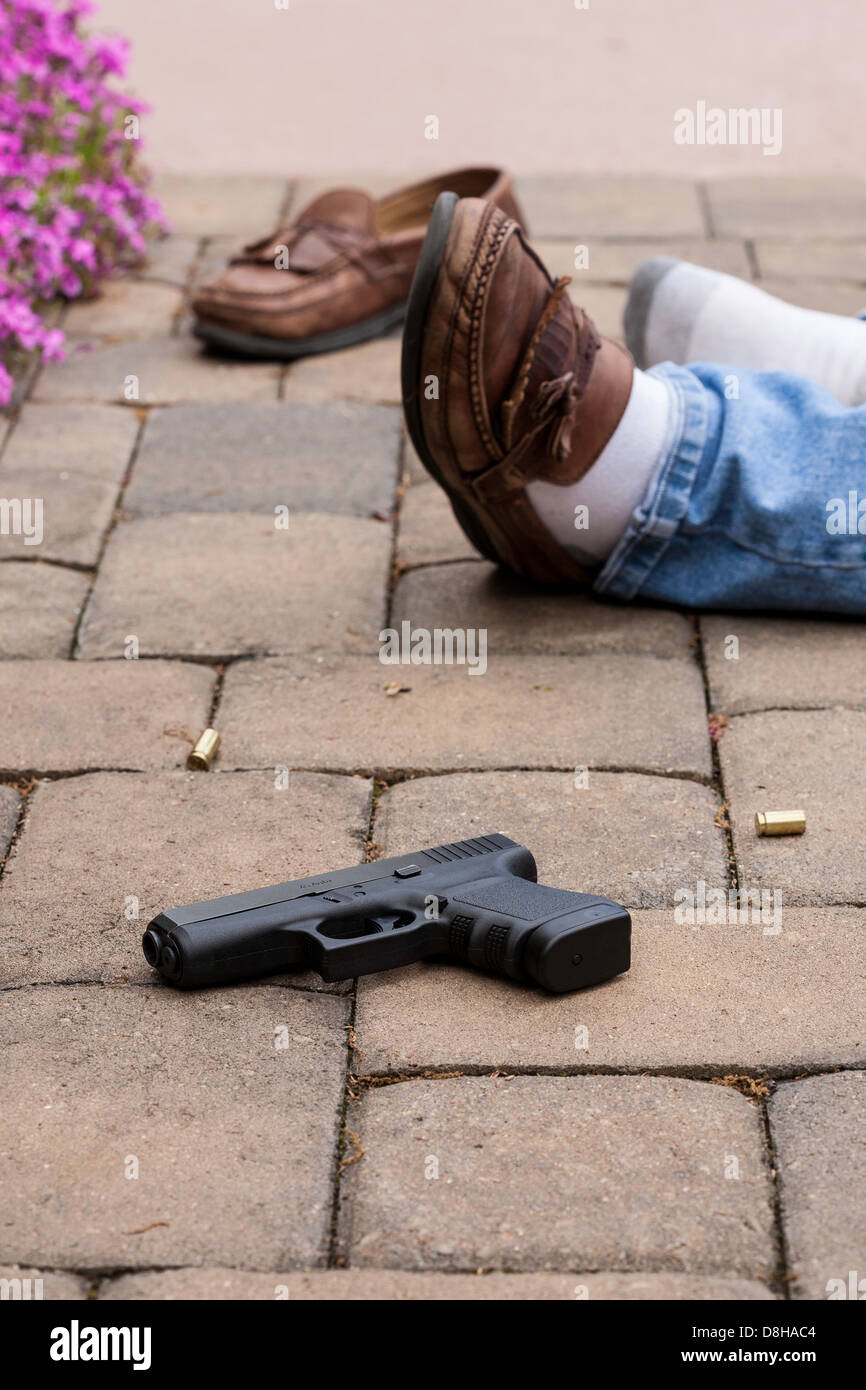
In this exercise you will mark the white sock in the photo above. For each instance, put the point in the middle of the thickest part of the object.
(616, 482)
(679, 312)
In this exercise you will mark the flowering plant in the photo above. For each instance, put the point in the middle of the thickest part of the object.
(73, 200)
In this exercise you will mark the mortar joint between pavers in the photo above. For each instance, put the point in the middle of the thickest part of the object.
(793, 709)
(216, 694)
(705, 206)
(23, 786)
(106, 1278)
(723, 820)
(343, 1133)
(186, 289)
(782, 1276)
(396, 569)
(393, 776)
(372, 847)
(404, 567)
(287, 199)
(142, 413)
(752, 257)
(188, 658)
(755, 1089)
(76, 565)
(9, 775)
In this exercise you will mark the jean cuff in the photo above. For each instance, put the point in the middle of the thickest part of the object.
(656, 521)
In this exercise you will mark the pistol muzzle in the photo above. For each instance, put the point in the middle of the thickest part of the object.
(160, 954)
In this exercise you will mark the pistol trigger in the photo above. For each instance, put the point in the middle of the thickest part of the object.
(389, 921)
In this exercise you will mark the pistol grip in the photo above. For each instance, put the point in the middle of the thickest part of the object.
(557, 939)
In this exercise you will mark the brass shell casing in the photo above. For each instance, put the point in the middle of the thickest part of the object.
(203, 751)
(780, 822)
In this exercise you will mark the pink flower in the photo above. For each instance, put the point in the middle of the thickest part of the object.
(6, 386)
(73, 202)
(83, 251)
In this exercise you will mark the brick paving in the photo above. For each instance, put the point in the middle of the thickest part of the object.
(534, 1172)
(429, 1133)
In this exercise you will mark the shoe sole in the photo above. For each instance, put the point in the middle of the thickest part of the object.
(229, 340)
(420, 295)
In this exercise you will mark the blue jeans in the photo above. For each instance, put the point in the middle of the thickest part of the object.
(755, 502)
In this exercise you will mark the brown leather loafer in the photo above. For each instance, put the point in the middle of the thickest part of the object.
(338, 275)
(504, 381)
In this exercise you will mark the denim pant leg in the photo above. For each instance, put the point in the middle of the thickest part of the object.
(756, 502)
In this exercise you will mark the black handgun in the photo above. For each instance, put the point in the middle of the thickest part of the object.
(476, 901)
